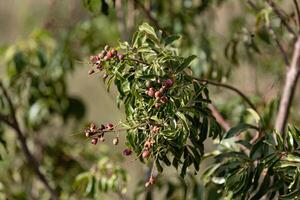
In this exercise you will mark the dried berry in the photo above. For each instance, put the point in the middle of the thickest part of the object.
(91, 71)
(127, 152)
(116, 141)
(164, 99)
(94, 141)
(168, 83)
(94, 59)
(109, 126)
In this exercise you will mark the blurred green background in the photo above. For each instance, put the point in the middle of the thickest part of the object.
(205, 34)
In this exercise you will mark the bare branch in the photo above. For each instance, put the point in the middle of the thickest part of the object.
(20, 135)
(278, 12)
(148, 15)
(298, 12)
(228, 87)
(292, 76)
(220, 119)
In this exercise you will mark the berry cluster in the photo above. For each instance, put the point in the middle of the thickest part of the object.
(159, 94)
(106, 54)
(97, 133)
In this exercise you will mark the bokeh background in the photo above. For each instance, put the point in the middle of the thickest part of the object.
(205, 33)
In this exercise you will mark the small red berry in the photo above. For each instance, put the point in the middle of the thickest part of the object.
(151, 92)
(114, 52)
(146, 154)
(157, 105)
(152, 180)
(109, 126)
(116, 141)
(164, 99)
(94, 141)
(94, 59)
(109, 55)
(168, 83)
(158, 94)
(127, 152)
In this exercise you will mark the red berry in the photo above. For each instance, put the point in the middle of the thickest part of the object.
(94, 59)
(164, 99)
(158, 94)
(168, 83)
(94, 141)
(151, 92)
(157, 105)
(146, 154)
(109, 55)
(114, 52)
(152, 180)
(109, 126)
(127, 152)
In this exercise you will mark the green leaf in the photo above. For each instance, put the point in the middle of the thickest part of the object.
(187, 61)
(237, 130)
(171, 39)
(145, 27)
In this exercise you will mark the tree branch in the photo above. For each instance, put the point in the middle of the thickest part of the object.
(20, 135)
(220, 119)
(248, 101)
(282, 18)
(298, 12)
(291, 79)
(148, 15)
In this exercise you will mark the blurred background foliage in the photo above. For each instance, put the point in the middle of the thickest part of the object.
(44, 46)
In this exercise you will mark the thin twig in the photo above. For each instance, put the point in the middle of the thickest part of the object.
(218, 84)
(298, 12)
(292, 76)
(282, 51)
(148, 15)
(20, 135)
(277, 11)
(220, 119)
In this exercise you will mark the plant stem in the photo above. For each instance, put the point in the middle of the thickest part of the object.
(227, 87)
(20, 135)
(291, 79)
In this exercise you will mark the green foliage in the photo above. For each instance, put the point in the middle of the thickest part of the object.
(36, 70)
(103, 177)
(269, 169)
(183, 122)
